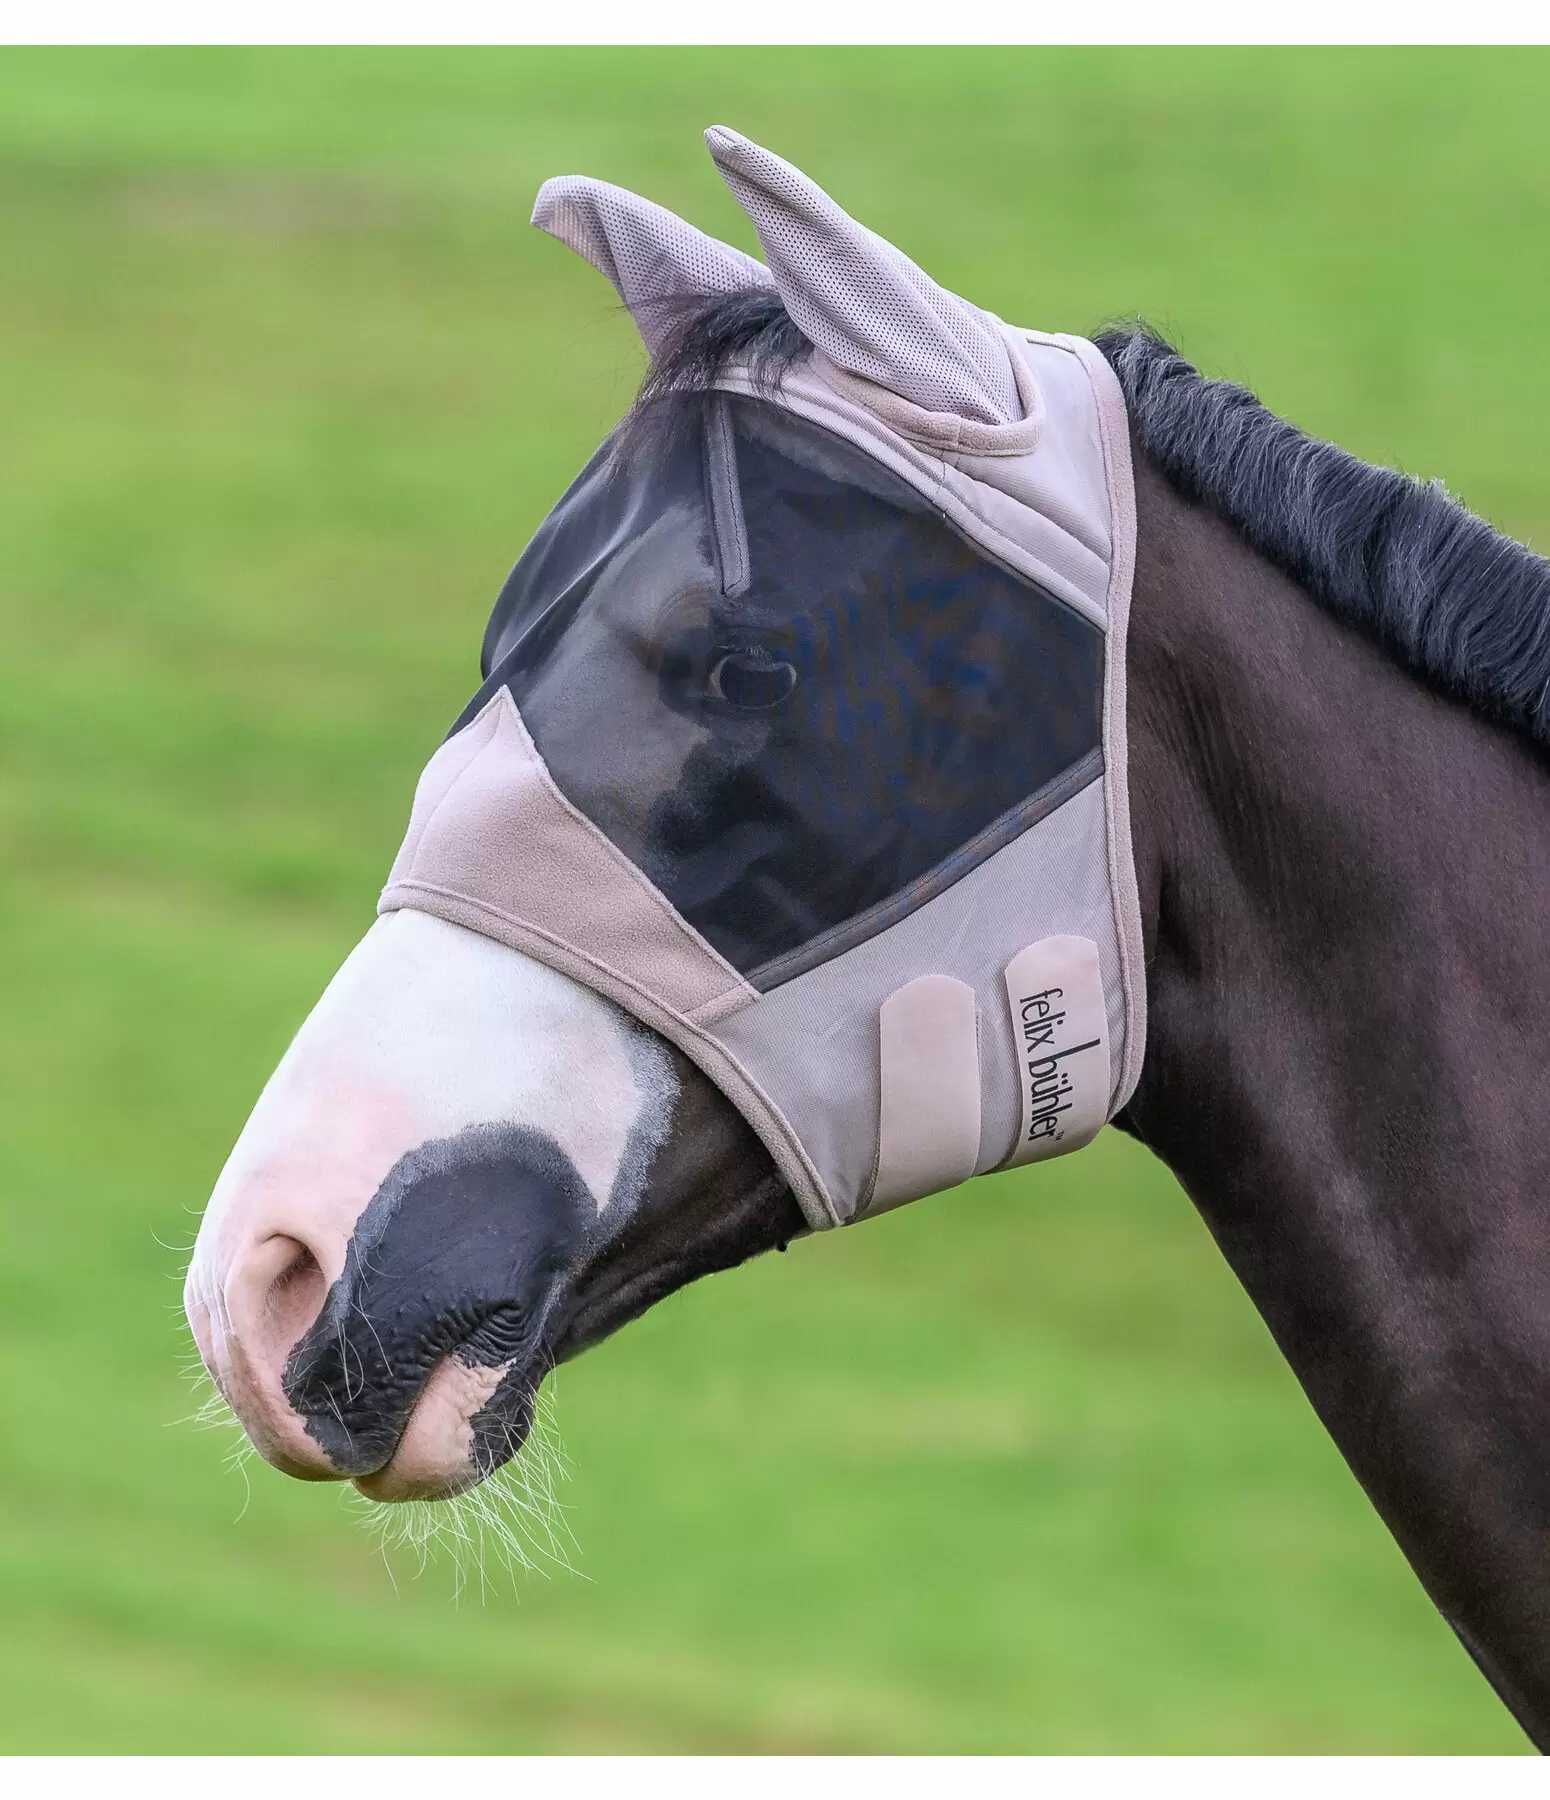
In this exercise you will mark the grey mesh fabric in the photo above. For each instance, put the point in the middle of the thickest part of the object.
(648, 253)
(802, 728)
(865, 306)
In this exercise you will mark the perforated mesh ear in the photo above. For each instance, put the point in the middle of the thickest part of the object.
(862, 302)
(649, 254)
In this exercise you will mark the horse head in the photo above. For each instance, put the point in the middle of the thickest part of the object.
(771, 877)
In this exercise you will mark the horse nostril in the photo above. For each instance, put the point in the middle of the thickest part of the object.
(296, 1292)
(274, 1296)
(274, 1291)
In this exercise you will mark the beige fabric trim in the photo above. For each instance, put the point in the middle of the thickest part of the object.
(489, 823)
(959, 497)
(704, 1051)
(1114, 426)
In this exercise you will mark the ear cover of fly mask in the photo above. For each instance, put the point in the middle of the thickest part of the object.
(651, 256)
(869, 309)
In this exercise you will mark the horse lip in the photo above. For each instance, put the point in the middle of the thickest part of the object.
(514, 1393)
(385, 1489)
(462, 1409)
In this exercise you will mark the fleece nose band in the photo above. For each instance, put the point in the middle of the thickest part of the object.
(802, 734)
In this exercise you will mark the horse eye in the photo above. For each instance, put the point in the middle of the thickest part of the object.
(750, 680)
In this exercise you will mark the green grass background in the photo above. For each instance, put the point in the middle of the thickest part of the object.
(287, 382)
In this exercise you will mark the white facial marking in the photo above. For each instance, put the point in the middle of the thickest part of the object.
(427, 1029)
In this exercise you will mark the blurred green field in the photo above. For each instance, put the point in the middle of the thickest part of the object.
(287, 381)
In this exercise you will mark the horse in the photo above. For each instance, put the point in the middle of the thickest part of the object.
(474, 1162)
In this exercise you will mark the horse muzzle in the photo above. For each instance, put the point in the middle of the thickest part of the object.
(407, 1357)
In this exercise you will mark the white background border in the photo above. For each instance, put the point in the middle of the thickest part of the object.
(791, 21)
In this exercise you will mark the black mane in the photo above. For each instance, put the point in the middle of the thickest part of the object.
(706, 332)
(1454, 600)
(1461, 605)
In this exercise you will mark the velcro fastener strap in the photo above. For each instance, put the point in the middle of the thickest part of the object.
(929, 1113)
(1061, 1027)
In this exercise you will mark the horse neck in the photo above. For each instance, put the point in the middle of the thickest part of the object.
(1344, 880)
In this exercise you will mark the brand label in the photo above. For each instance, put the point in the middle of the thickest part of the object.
(1061, 1030)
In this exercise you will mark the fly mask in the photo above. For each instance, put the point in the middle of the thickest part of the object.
(802, 736)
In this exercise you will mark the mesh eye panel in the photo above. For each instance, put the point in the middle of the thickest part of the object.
(783, 686)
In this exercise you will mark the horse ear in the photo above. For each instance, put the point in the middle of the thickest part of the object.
(652, 257)
(864, 304)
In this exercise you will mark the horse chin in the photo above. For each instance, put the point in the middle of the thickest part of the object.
(388, 1488)
(450, 1442)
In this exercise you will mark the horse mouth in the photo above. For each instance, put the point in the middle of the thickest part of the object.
(468, 1421)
